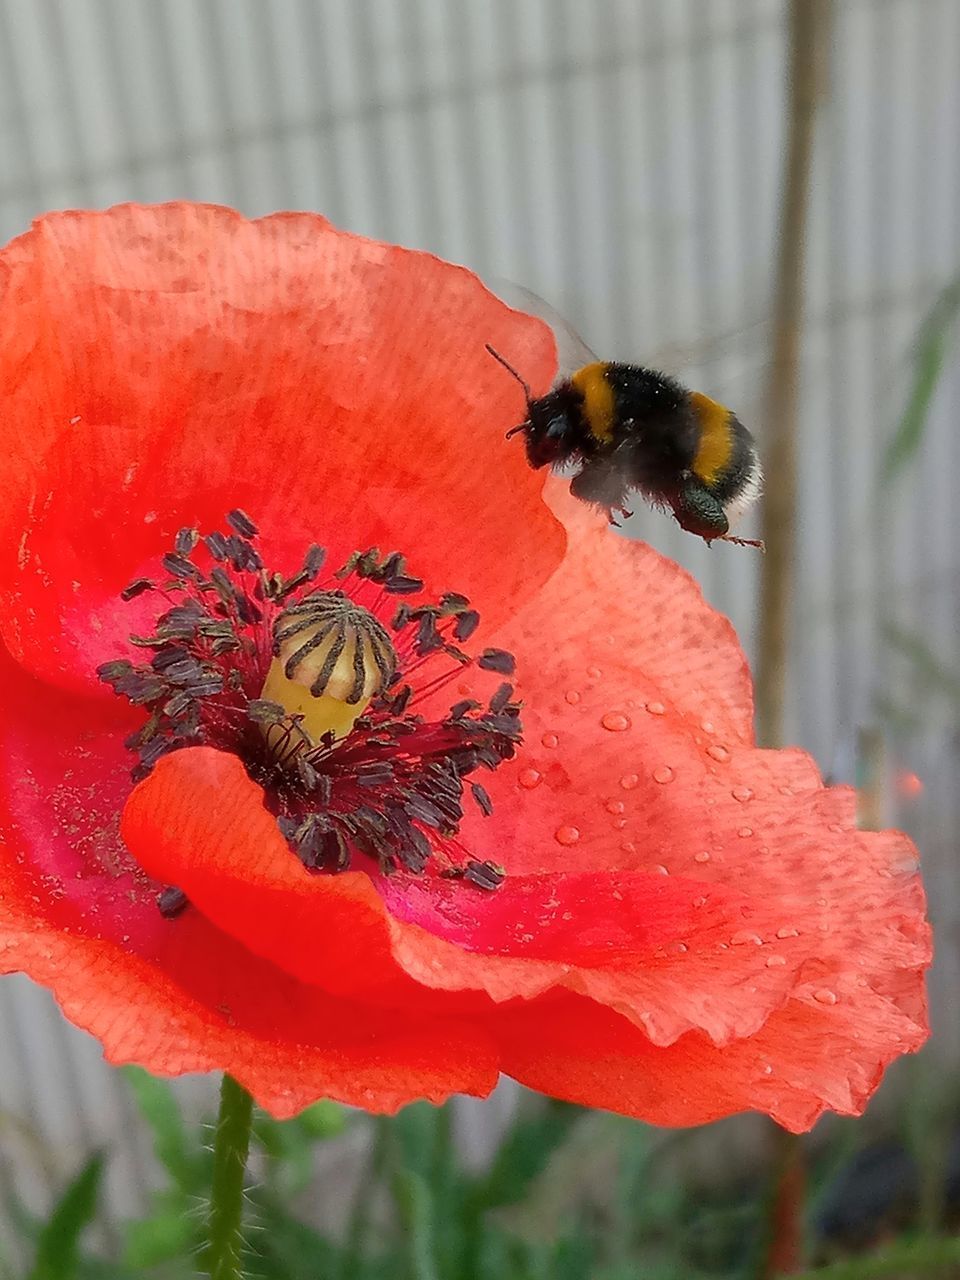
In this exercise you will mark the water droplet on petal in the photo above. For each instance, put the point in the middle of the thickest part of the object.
(905, 866)
(615, 721)
(703, 856)
(628, 846)
(619, 823)
(629, 781)
(660, 870)
(786, 932)
(663, 774)
(744, 936)
(656, 708)
(745, 833)
(825, 996)
(774, 962)
(786, 791)
(550, 740)
(529, 778)
(767, 1069)
(594, 673)
(615, 806)
(572, 696)
(718, 752)
(567, 835)
(706, 726)
(743, 794)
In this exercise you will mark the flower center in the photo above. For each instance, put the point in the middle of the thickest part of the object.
(315, 684)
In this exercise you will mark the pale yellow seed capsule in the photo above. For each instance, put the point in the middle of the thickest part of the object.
(331, 657)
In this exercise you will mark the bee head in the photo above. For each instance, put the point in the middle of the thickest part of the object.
(547, 427)
(549, 431)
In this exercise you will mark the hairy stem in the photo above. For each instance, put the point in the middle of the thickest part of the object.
(221, 1254)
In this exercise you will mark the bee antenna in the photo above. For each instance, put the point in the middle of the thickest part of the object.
(510, 369)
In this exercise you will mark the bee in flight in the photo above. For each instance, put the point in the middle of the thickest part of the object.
(630, 428)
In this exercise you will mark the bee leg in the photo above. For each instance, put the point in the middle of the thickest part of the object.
(602, 485)
(745, 542)
(699, 512)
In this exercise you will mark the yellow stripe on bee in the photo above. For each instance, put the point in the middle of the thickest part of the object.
(599, 408)
(716, 438)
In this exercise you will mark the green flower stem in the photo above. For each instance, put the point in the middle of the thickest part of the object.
(231, 1143)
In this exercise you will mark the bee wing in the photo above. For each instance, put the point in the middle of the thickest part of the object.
(572, 352)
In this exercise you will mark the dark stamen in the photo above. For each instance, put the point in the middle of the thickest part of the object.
(393, 788)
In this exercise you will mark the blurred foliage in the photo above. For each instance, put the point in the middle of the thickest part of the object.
(930, 354)
(567, 1195)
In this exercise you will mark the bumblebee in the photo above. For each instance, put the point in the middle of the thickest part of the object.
(629, 428)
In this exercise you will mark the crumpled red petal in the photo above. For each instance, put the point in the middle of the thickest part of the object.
(808, 1058)
(200, 823)
(196, 337)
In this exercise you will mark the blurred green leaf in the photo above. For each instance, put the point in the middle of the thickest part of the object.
(167, 1234)
(415, 1208)
(928, 363)
(525, 1151)
(323, 1120)
(59, 1241)
(171, 1143)
(288, 1249)
(913, 1258)
(933, 673)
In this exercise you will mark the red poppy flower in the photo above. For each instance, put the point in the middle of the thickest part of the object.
(606, 892)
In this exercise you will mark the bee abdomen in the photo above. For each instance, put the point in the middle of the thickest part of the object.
(726, 459)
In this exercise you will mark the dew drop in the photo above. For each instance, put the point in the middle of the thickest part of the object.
(594, 673)
(615, 806)
(825, 996)
(629, 781)
(663, 774)
(529, 778)
(656, 708)
(905, 866)
(745, 833)
(615, 721)
(619, 823)
(767, 1069)
(743, 794)
(786, 932)
(718, 752)
(703, 856)
(774, 962)
(628, 846)
(550, 740)
(572, 696)
(660, 870)
(744, 936)
(567, 835)
(707, 726)
(786, 791)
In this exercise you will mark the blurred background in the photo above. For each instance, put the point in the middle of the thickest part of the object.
(627, 161)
